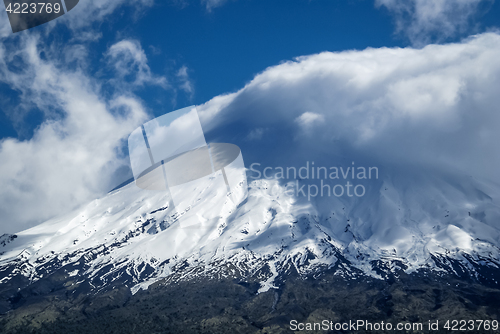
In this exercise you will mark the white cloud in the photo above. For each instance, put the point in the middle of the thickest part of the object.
(88, 12)
(211, 4)
(308, 119)
(74, 153)
(432, 106)
(185, 83)
(131, 65)
(423, 21)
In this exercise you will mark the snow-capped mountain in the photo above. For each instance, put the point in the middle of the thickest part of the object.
(417, 221)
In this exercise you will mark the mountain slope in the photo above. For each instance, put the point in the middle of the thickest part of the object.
(446, 223)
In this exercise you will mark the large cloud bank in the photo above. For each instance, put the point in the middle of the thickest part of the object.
(435, 106)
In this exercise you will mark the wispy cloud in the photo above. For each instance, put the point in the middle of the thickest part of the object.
(211, 4)
(85, 18)
(425, 21)
(185, 82)
(131, 65)
(74, 152)
(256, 134)
(89, 12)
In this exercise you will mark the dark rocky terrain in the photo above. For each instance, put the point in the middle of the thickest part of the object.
(233, 306)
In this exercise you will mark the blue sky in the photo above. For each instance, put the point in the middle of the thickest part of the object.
(73, 89)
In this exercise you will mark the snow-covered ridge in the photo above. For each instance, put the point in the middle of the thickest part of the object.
(131, 236)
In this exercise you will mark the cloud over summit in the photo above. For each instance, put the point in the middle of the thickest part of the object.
(437, 105)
